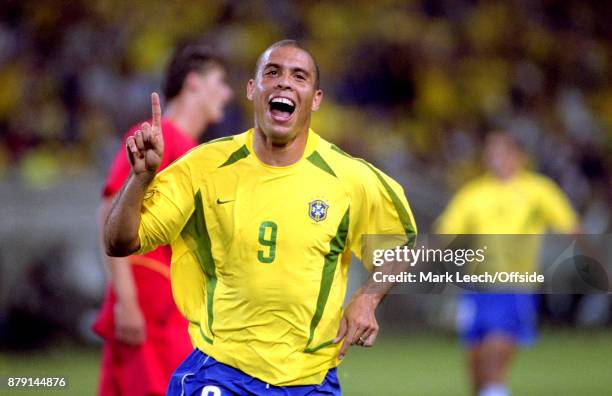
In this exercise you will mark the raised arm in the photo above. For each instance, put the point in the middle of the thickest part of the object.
(145, 150)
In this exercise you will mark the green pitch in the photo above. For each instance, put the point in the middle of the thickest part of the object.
(562, 363)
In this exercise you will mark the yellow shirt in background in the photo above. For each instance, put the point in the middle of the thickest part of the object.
(528, 204)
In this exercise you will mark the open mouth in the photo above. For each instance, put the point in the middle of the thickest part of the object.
(281, 108)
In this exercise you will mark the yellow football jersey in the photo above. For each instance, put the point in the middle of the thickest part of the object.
(528, 204)
(260, 254)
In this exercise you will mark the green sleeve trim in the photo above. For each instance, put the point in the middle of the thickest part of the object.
(205, 337)
(318, 161)
(336, 247)
(320, 346)
(402, 212)
(339, 150)
(196, 236)
(237, 155)
(221, 139)
(201, 332)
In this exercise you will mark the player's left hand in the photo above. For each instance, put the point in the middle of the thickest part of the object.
(130, 325)
(358, 325)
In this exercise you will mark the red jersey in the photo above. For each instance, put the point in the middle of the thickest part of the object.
(144, 369)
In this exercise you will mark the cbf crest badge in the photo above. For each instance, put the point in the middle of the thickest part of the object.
(317, 210)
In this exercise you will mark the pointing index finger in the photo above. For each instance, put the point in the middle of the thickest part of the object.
(156, 111)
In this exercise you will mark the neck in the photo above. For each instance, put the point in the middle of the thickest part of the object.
(284, 154)
(184, 114)
(506, 176)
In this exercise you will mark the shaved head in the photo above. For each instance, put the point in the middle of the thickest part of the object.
(284, 92)
(294, 44)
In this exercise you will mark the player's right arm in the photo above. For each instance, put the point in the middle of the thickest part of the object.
(129, 320)
(145, 151)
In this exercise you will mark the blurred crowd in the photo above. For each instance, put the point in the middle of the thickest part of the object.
(410, 85)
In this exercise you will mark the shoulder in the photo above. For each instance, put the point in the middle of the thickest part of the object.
(537, 179)
(540, 184)
(349, 169)
(215, 153)
(474, 188)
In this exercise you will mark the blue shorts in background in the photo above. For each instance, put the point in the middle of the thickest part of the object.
(201, 375)
(513, 315)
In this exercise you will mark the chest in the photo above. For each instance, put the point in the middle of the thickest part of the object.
(274, 217)
(506, 209)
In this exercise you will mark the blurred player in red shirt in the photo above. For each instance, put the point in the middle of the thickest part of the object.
(145, 336)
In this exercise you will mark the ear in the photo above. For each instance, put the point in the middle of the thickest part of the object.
(250, 88)
(316, 100)
(192, 80)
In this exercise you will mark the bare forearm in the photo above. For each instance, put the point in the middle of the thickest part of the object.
(359, 324)
(121, 228)
(375, 291)
(122, 280)
(367, 293)
(117, 268)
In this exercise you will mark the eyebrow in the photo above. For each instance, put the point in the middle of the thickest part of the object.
(293, 69)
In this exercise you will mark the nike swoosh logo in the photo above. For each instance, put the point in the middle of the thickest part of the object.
(219, 202)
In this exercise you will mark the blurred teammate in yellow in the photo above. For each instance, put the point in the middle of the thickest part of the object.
(262, 226)
(506, 200)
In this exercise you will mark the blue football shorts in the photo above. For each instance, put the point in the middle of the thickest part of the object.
(511, 315)
(201, 375)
